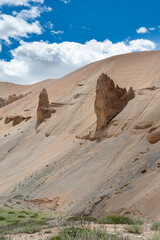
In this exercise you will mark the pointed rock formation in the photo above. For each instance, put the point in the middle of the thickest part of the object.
(16, 119)
(110, 100)
(43, 110)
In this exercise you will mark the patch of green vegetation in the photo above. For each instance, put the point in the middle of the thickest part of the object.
(124, 186)
(155, 226)
(76, 233)
(116, 219)
(134, 228)
(119, 219)
(19, 216)
(29, 227)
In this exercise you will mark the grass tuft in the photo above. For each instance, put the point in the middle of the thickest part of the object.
(155, 226)
(76, 233)
(134, 228)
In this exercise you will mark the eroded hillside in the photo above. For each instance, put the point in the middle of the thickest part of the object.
(57, 165)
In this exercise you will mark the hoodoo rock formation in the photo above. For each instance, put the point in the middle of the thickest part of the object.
(110, 100)
(43, 110)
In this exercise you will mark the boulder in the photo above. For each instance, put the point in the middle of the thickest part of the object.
(17, 119)
(154, 136)
(110, 100)
(8, 119)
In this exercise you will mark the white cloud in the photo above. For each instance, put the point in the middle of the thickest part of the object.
(19, 2)
(15, 27)
(57, 32)
(48, 25)
(36, 61)
(32, 13)
(66, 1)
(142, 30)
(152, 28)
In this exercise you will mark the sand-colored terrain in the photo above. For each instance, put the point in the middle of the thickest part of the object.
(118, 173)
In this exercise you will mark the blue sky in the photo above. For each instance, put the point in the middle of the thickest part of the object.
(42, 39)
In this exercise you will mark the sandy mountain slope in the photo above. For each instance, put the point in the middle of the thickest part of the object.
(118, 174)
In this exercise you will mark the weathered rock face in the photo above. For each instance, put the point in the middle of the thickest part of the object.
(11, 99)
(16, 119)
(110, 100)
(2, 102)
(43, 110)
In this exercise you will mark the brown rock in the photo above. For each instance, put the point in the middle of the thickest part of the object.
(158, 165)
(154, 136)
(131, 93)
(43, 110)
(143, 170)
(17, 119)
(2, 102)
(27, 118)
(11, 99)
(8, 119)
(110, 100)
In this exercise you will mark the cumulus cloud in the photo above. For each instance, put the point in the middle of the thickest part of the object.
(15, 27)
(19, 2)
(32, 13)
(142, 30)
(36, 61)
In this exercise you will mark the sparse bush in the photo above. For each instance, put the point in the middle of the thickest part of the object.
(134, 228)
(116, 219)
(75, 233)
(155, 226)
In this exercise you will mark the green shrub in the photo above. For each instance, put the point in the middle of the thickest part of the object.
(134, 228)
(21, 216)
(2, 218)
(155, 226)
(116, 219)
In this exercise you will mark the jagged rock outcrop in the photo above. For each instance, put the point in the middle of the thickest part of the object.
(2, 102)
(11, 99)
(16, 119)
(110, 100)
(43, 110)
